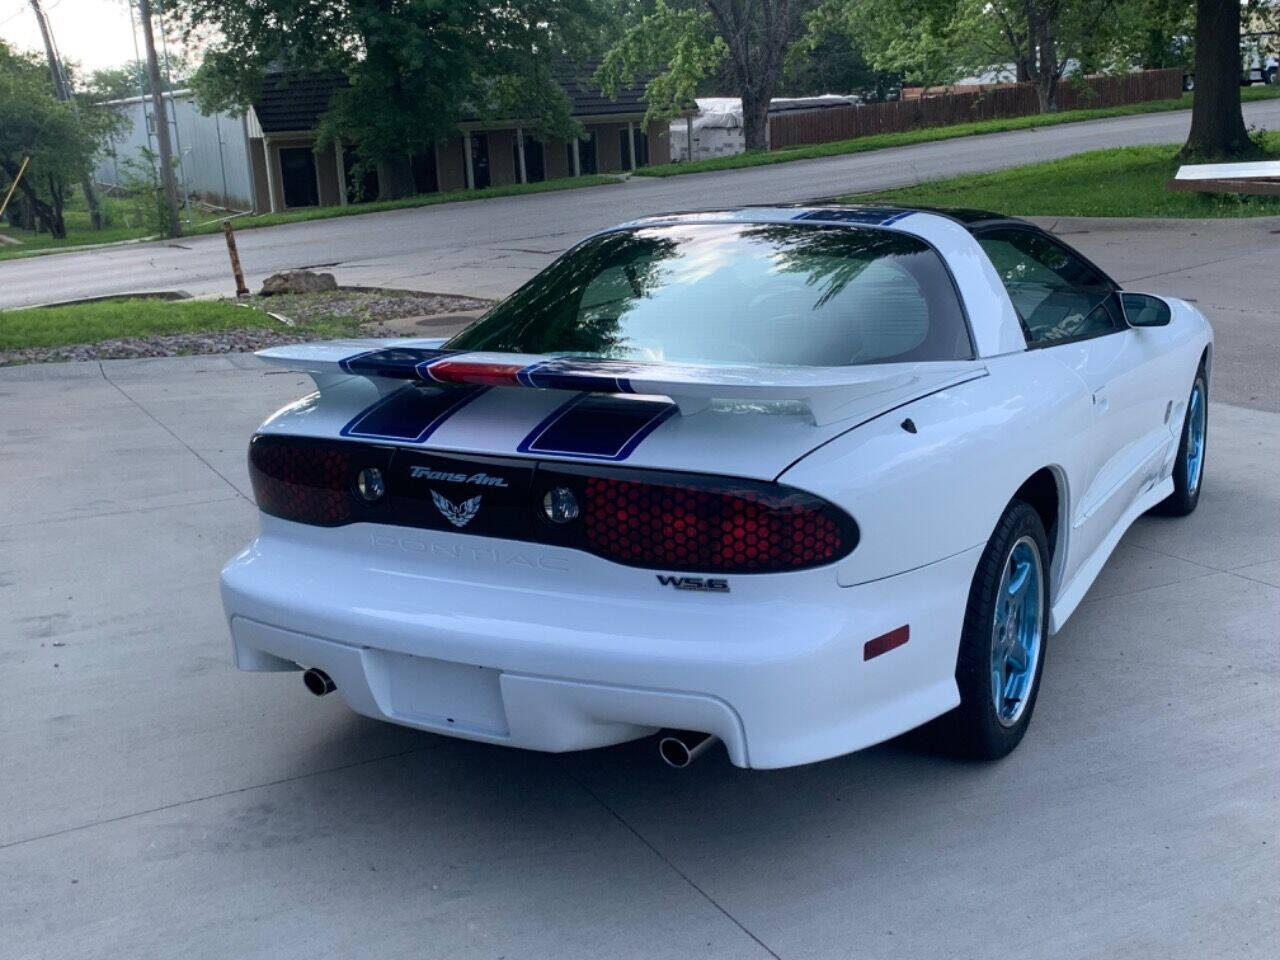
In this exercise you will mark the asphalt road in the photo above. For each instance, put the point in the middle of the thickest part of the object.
(486, 248)
(159, 804)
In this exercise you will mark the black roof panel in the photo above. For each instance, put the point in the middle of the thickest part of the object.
(293, 101)
(879, 212)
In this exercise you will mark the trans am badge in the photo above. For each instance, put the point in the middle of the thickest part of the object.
(458, 515)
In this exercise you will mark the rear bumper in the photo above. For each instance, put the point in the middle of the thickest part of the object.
(775, 668)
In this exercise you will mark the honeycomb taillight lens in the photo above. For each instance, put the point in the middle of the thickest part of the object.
(313, 482)
(710, 524)
(683, 522)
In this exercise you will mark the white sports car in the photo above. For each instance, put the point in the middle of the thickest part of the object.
(798, 479)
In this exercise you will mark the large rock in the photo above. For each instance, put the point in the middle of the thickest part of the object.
(297, 281)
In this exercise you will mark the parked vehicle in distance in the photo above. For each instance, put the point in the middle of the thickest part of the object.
(1259, 63)
(797, 478)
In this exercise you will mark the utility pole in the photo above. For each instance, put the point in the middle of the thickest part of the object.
(162, 121)
(62, 90)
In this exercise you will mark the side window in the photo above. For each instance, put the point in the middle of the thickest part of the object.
(1058, 295)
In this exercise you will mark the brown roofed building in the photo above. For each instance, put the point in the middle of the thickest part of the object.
(289, 170)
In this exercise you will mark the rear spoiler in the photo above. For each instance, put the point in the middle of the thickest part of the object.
(825, 391)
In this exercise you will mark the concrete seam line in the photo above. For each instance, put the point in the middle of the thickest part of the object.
(211, 796)
(1241, 576)
(1192, 266)
(1125, 594)
(674, 869)
(81, 518)
(163, 426)
(1174, 556)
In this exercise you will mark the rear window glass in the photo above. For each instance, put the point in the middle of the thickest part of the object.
(774, 294)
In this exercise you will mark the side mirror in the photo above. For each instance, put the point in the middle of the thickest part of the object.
(1143, 310)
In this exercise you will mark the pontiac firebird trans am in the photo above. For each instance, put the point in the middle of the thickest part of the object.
(798, 479)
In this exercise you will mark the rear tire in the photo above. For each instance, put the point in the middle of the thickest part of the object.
(1002, 645)
(1188, 467)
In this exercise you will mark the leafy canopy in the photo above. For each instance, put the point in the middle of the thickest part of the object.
(414, 68)
(677, 48)
(60, 141)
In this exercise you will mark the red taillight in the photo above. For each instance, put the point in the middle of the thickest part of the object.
(312, 481)
(712, 525)
(308, 484)
(643, 518)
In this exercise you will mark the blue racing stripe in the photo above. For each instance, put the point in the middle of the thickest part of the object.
(870, 216)
(410, 414)
(397, 363)
(573, 373)
(597, 427)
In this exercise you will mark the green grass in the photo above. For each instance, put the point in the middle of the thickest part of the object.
(119, 227)
(423, 200)
(1123, 182)
(882, 141)
(112, 319)
(119, 211)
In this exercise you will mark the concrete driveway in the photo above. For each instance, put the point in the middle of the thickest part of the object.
(486, 248)
(158, 804)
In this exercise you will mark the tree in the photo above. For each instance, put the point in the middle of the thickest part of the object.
(829, 62)
(60, 142)
(938, 41)
(1156, 34)
(925, 42)
(1217, 121)
(681, 43)
(131, 79)
(413, 68)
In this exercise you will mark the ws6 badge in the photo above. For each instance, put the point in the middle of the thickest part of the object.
(703, 584)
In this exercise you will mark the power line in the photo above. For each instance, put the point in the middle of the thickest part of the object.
(22, 8)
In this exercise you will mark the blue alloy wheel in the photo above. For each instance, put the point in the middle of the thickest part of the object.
(1017, 631)
(1195, 438)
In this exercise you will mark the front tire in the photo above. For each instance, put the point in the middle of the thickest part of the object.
(1002, 645)
(1188, 468)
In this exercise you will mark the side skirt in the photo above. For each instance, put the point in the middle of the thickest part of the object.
(1074, 591)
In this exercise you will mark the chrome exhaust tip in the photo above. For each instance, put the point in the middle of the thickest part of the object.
(679, 748)
(318, 682)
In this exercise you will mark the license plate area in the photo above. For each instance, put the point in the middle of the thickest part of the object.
(443, 694)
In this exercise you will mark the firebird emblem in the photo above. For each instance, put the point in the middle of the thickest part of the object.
(458, 515)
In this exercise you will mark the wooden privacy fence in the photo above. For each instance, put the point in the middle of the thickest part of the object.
(1014, 100)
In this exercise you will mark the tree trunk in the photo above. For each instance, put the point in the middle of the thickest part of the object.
(755, 121)
(1217, 122)
(1047, 91)
(46, 216)
(395, 179)
(1042, 65)
(756, 34)
(1047, 78)
(55, 193)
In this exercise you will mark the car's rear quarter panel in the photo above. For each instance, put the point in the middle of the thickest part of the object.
(919, 497)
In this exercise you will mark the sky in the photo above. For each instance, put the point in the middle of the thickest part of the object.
(94, 33)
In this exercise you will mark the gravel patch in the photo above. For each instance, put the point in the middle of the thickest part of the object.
(171, 345)
(381, 312)
(364, 305)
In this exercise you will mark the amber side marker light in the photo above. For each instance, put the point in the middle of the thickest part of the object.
(886, 642)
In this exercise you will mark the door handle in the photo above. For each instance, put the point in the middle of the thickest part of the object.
(1101, 402)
